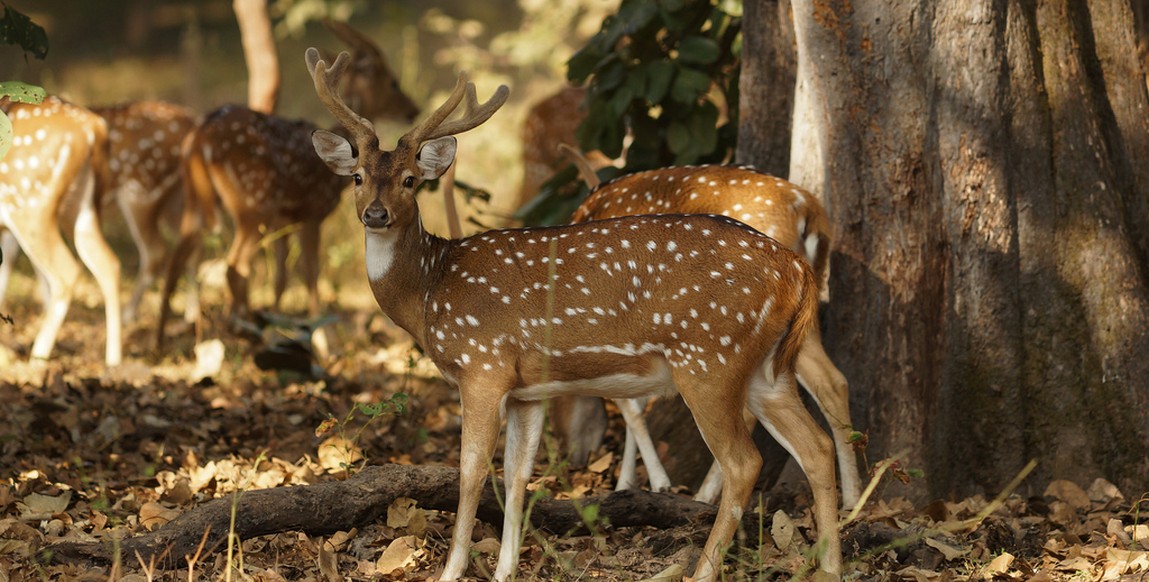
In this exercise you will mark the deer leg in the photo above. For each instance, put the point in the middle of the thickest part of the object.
(830, 390)
(524, 429)
(309, 258)
(9, 251)
(732, 447)
(711, 486)
(779, 408)
(579, 423)
(239, 258)
(105, 267)
(141, 213)
(481, 421)
(281, 250)
(636, 431)
(58, 268)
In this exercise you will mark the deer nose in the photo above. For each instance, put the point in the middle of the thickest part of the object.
(375, 216)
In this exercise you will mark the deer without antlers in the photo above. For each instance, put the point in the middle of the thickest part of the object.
(775, 207)
(622, 308)
(264, 173)
(58, 151)
(142, 180)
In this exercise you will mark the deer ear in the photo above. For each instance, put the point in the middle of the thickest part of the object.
(435, 157)
(335, 151)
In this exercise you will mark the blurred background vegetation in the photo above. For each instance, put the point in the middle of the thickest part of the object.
(189, 52)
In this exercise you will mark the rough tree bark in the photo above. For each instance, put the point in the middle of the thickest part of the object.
(259, 53)
(985, 167)
(766, 86)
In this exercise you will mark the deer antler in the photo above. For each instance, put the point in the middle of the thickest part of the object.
(434, 127)
(326, 78)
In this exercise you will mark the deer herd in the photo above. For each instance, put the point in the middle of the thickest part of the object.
(698, 281)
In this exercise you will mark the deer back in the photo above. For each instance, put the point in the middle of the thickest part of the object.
(52, 141)
(567, 303)
(144, 140)
(779, 209)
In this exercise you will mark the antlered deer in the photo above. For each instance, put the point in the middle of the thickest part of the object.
(263, 171)
(623, 308)
(773, 206)
(58, 150)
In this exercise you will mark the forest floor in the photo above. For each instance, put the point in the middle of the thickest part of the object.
(88, 454)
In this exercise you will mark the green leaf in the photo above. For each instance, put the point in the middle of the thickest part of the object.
(16, 28)
(22, 92)
(678, 137)
(636, 14)
(689, 85)
(702, 128)
(5, 134)
(659, 74)
(611, 75)
(582, 64)
(620, 102)
(698, 50)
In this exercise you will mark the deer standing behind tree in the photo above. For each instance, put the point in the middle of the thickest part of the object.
(624, 308)
(263, 172)
(57, 160)
(777, 208)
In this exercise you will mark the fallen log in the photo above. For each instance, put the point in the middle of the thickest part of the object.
(332, 506)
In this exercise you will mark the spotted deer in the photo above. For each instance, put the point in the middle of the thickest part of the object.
(550, 123)
(781, 210)
(142, 180)
(58, 150)
(621, 308)
(263, 171)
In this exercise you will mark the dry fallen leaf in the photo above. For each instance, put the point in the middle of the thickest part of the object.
(153, 515)
(948, 551)
(601, 464)
(489, 546)
(401, 554)
(403, 513)
(328, 562)
(336, 454)
(672, 574)
(1069, 492)
(35, 506)
(999, 565)
(782, 530)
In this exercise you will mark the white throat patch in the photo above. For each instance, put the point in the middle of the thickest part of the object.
(380, 254)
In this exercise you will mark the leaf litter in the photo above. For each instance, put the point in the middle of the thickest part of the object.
(91, 455)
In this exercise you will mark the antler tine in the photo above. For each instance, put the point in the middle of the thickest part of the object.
(433, 127)
(325, 79)
(475, 114)
(419, 133)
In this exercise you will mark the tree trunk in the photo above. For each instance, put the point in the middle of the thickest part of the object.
(984, 166)
(259, 54)
(766, 86)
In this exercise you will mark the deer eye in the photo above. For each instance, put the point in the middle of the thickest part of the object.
(358, 180)
(409, 182)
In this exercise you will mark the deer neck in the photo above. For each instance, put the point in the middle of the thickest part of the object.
(403, 265)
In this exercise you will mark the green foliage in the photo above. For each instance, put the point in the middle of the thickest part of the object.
(18, 29)
(661, 71)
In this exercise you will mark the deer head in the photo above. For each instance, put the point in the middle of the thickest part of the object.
(387, 180)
